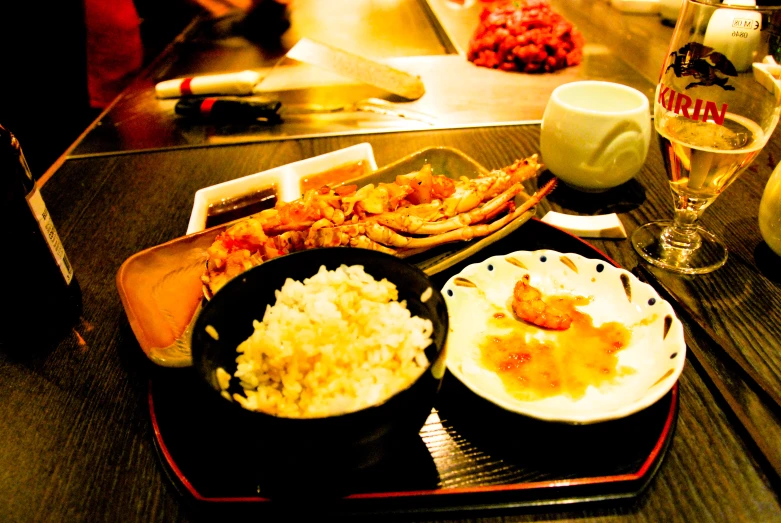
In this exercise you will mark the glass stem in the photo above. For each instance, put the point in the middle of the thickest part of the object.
(682, 234)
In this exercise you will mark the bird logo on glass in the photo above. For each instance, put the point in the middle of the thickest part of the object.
(703, 64)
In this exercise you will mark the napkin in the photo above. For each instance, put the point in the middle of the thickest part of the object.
(601, 226)
(227, 83)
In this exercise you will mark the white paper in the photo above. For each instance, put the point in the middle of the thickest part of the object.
(602, 226)
(228, 83)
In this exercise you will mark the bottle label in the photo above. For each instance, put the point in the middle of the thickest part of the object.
(41, 214)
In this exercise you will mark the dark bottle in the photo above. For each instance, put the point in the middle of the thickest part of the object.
(42, 298)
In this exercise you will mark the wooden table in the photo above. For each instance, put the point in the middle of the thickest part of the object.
(77, 440)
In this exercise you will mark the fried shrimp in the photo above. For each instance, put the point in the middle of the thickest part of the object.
(529, 306)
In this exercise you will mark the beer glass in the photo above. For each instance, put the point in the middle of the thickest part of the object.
(716, 105)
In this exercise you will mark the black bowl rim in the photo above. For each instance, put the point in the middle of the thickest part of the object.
(349, 251)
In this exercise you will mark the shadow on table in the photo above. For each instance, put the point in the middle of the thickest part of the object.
(263, 24)
(506, 447)
(624, 198)
(199, 451)
(767, 262)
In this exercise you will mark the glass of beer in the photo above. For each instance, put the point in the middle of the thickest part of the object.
(716, 105)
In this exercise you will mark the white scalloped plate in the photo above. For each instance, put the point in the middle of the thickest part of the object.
(655, 354)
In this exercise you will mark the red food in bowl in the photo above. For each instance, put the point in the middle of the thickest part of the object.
(526, 36)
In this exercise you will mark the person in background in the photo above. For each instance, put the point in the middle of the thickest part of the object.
(65, 63)
(115, 50)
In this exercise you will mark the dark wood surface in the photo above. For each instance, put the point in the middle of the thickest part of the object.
(77, 439)
(77, 436)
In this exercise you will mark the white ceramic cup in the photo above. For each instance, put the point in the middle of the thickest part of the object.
(595, 135)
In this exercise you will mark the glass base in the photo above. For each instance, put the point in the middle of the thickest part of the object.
(709, 256)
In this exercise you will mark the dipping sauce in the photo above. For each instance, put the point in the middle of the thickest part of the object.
(335, 175)
(241, 206)
(246, 205)
(536, 363)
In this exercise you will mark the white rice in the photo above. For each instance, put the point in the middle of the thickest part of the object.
(338, 342)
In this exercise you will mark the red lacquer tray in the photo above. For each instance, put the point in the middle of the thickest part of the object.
(470, 456)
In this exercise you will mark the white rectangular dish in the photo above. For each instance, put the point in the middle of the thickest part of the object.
(284, 183)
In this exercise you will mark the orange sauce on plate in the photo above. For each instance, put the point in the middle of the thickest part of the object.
(536, 363)
(335, 175)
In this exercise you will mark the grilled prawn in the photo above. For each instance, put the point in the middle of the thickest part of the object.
(414, 213)
(529, 306)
